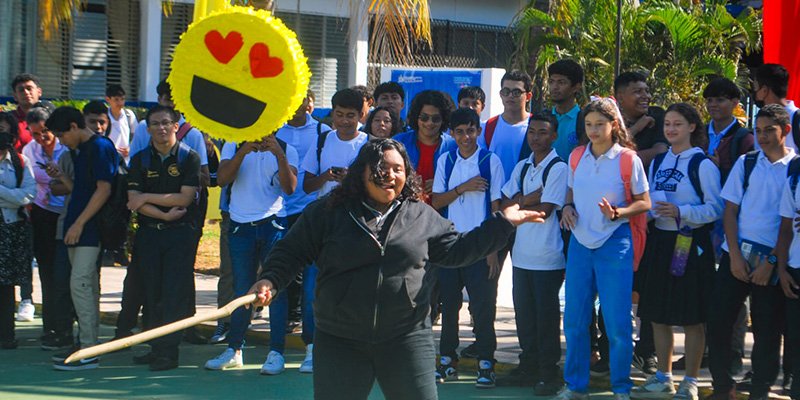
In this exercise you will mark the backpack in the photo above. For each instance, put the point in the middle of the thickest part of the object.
(545, 173)
(228, 189)
(485, 168)
(736, 141)
(750, 164)
(183, 130)
(488, 134)
(321, 137)
(113, 217)
(638, 223)
(694, 171)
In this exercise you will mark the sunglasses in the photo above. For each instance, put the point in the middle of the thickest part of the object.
(433, 118)
(505, 92)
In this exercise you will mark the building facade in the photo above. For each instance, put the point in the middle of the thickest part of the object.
(130, 42)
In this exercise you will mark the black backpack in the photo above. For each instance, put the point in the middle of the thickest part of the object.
(113, 218)
(694, 171)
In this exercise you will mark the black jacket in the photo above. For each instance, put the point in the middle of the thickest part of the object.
(368, 291)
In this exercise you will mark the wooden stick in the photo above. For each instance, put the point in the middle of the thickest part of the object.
(151, 334)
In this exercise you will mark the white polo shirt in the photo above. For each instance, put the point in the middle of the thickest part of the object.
(256, 193)
(335, 153)
(538, 247)
(301, 138)
(506, 142)
(468, 210)
(593, 179)
(759, 218)
(790, 203)
(119, 130)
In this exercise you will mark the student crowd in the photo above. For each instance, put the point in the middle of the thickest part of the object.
(655, 212)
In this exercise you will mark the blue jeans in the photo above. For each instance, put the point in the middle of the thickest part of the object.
(249, 247)
(607, 271)
(279, 312)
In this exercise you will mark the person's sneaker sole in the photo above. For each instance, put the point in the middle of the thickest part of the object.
(485, 385)
(76, 367)
(265, 372)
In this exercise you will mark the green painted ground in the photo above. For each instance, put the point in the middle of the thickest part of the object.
(26, 373)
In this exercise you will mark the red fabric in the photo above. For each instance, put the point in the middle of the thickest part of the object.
(426, 165)
(24, 133)
(781, 41)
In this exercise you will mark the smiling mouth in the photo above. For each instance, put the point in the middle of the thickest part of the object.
(225, 105)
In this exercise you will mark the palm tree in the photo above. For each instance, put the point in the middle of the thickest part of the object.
(396, 24)
(679, 44)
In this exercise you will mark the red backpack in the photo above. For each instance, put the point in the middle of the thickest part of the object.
(638, 222)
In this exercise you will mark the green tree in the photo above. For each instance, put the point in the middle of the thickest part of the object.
(680, 45)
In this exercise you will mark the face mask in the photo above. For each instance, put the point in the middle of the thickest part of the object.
(6, 140)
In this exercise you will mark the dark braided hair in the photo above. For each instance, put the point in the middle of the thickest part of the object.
(353, 188)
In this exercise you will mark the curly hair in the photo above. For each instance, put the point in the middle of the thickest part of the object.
(440, 100)
(699, 136)
(608, 108)
(353, 187)
(392, 115)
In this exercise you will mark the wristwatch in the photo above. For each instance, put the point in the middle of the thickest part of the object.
(772, 259)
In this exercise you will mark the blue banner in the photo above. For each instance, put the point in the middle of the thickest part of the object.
(450, 82)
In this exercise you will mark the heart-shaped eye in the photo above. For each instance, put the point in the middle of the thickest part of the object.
(261, 64)
(224, 48)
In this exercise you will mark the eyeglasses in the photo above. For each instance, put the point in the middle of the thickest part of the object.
(506, 92)
(162, 124)
(433, 118)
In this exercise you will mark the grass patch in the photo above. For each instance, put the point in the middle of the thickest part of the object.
(207, 261)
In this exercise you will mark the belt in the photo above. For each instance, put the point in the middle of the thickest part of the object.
(261, 221)
(163, 225)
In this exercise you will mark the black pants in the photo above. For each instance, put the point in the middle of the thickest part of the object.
(44, 249)
(294, 291)
(793, 335)
(346, 369)
(63, 311)
(538, 317)
(133, 299)
(6, 313)
(167, 261)
(482, 305)
(767, 310)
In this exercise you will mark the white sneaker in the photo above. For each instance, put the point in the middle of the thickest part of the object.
(566, 394)
(654, 389)
(274, 364)
(686, 391)
(25, 311)
(229, 358)
(307, 366)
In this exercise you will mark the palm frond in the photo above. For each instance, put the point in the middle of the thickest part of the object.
(397, 26)
(54, 13)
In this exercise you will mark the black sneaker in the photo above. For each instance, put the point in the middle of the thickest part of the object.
(163, 364)
(486, 377)
(787, 384)
(520, 376)
(746, 383)
(56, 341)
(446, 371)
(469, 352)
(80, 365)
(146, 358)
(61, 356)
(600, 369)
(648, 365)
(191, 335)
(547, 388)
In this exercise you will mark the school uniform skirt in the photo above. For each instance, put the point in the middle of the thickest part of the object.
(16, 253)
(668, 299)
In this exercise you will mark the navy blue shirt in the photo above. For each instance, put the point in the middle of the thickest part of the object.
(104, 163)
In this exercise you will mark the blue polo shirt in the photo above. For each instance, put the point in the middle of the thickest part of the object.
(567, 132)
(103, 164)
